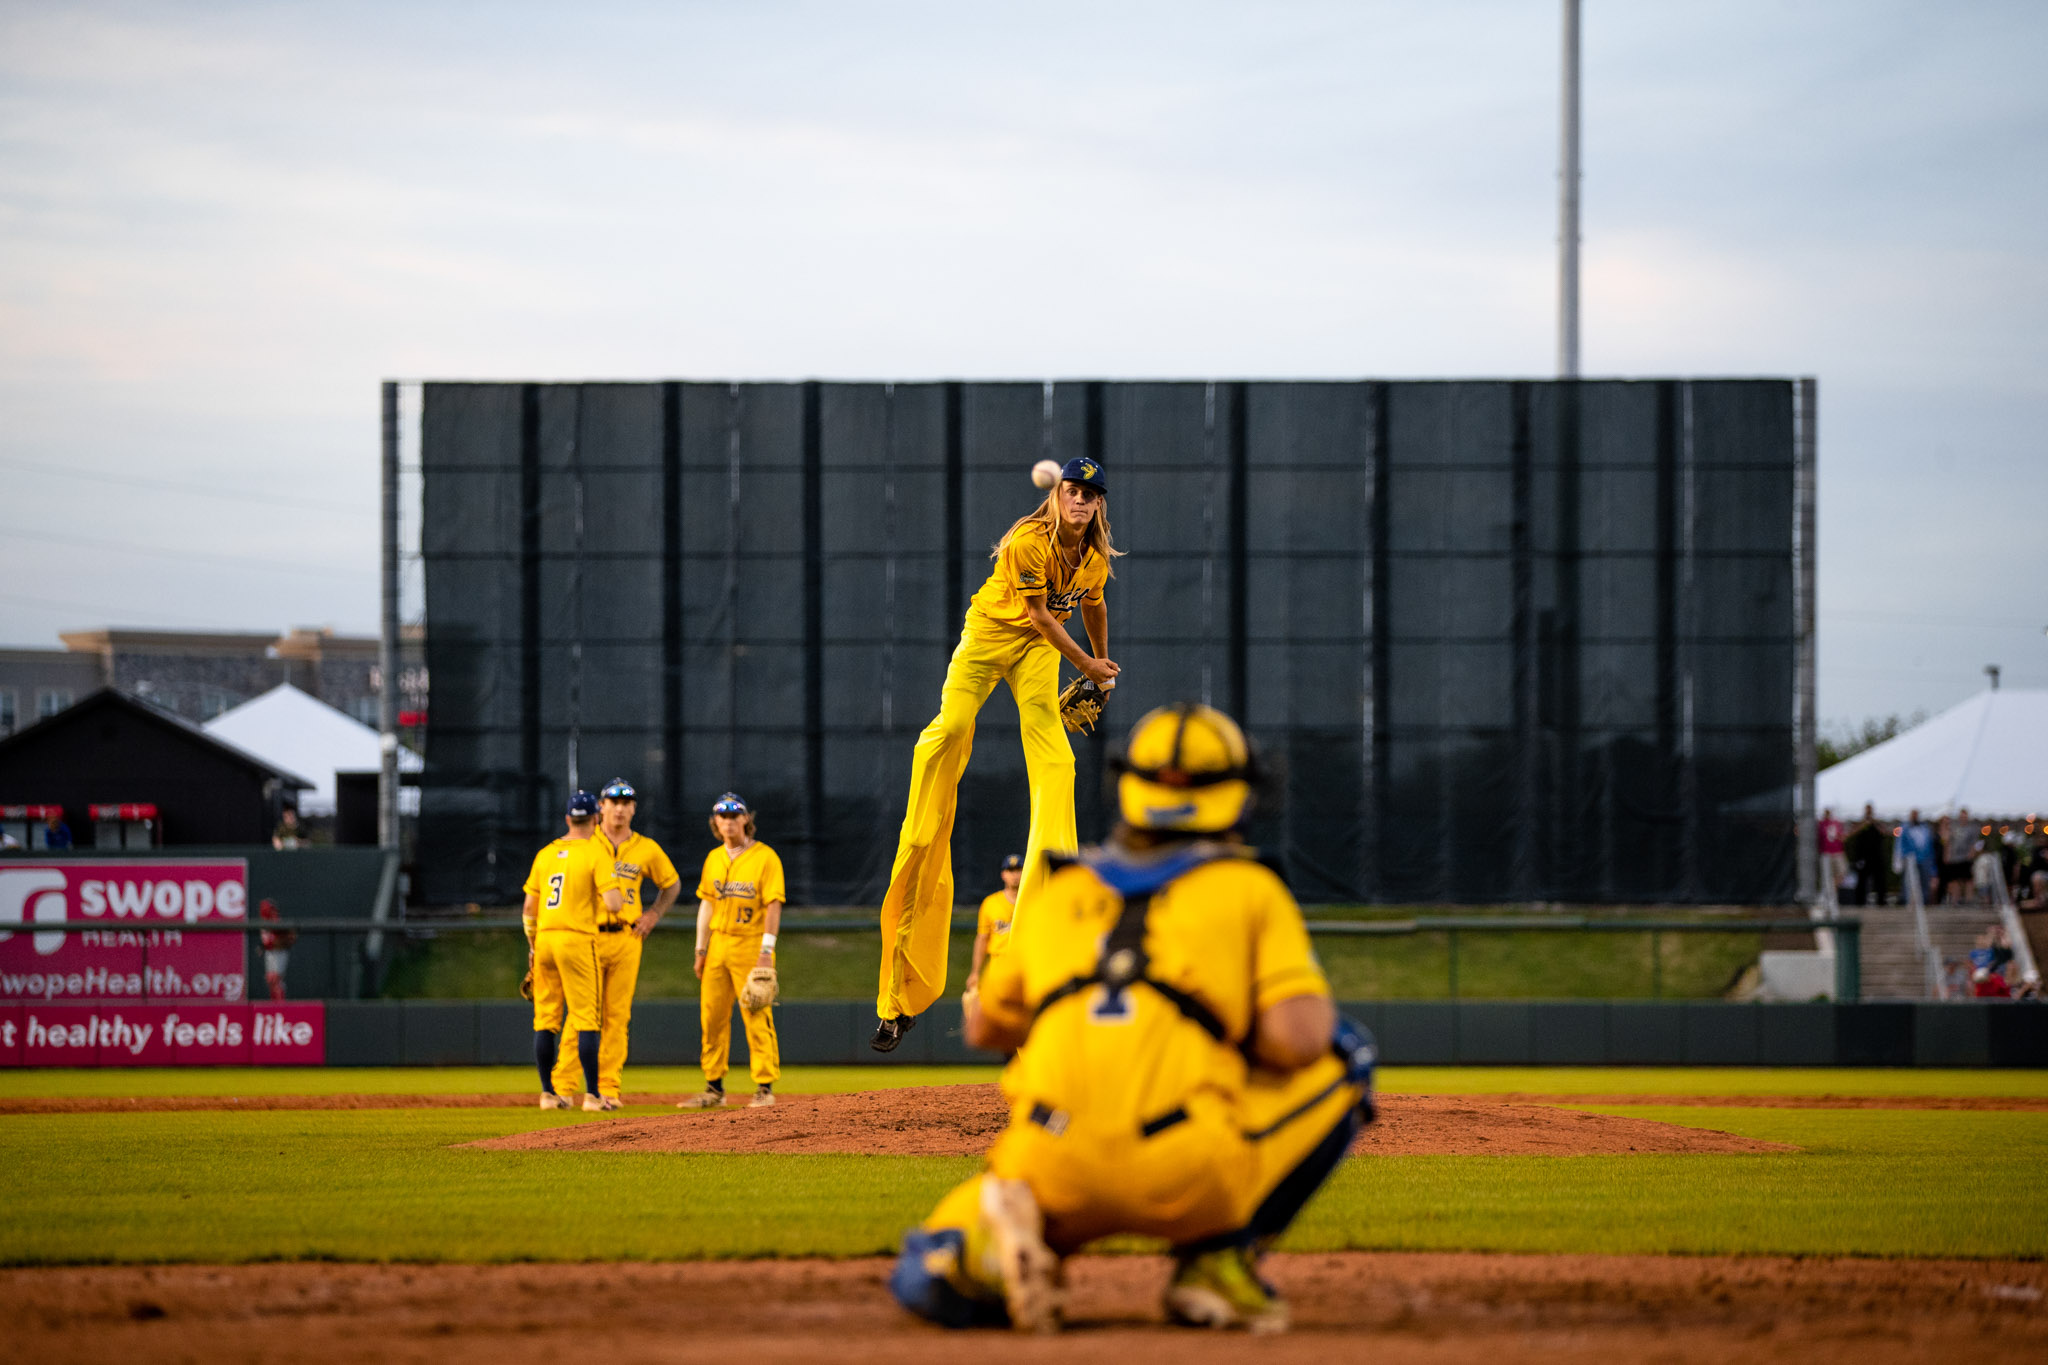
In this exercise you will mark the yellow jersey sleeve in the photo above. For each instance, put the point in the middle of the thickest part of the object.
(707, 880)
(995, 913)
(658, 868)
(1283, 963)
(771, 887)
(537, 875)
(1024, 566)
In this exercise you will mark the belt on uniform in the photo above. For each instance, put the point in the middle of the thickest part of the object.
(1055, 1121)
(613, 928)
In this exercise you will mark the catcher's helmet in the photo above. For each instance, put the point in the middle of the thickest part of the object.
(1186, 767)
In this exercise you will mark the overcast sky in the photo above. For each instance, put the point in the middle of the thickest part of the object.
(222, 225)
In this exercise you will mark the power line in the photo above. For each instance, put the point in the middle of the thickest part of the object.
(228, 494)
(163, 552)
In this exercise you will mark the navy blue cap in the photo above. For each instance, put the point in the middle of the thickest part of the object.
(729, 804)
(1014, 863)
(582, 803)
(1085, 471)
(619, 789)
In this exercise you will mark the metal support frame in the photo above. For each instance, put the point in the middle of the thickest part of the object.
(387, 645)
(1804, 582)
(1568, 203)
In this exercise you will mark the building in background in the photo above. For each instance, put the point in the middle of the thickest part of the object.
(198, 675)
(125, 774)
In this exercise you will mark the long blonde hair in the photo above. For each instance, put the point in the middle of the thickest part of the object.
(1097, 537)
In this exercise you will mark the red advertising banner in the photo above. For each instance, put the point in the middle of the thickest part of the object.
(142, 953)
(197, 1034)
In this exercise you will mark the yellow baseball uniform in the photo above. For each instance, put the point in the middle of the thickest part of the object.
(994, 920)
(740, 889)
(638, 858)
(1127, 1114)
(568, 879)
(997, 644)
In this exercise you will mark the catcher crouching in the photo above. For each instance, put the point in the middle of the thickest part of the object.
(739, 910)
(1186, 1077)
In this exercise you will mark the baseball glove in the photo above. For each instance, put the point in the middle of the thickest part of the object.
(1081, 704)
(526, 985)
(761, 990)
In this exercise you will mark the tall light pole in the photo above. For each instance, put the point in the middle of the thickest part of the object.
(1568, 204)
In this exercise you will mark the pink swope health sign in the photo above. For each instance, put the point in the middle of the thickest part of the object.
(138, 950)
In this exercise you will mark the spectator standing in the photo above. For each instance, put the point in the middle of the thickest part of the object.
(2033, 871)
(1869, 849)
(1916, 846)
(56, 834)
(1834, 862)
(287, 834)
(277, 945)
(1987, 869)
(1958, 847)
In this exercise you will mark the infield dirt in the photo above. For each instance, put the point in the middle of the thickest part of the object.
(1390, 1308)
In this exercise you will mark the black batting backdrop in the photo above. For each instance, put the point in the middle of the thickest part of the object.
(1499, 640)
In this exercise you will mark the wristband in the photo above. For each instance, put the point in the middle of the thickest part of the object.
(767, 943)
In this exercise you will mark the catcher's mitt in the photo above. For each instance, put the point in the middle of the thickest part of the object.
(526, 985)
(1081, 704)
(761, 990)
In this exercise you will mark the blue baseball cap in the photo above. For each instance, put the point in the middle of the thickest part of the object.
(619, 789)
(1014, 863)
(581, 804)
(1085, 471)
(729, 804)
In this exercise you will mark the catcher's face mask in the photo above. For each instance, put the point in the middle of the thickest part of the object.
(1187, 767)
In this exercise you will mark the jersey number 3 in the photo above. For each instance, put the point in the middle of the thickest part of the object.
(554, 891)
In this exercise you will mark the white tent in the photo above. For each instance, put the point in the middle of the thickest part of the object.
(1989, 754)
(302, 734)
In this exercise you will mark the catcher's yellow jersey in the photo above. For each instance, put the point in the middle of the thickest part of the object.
(1227, 933)
(1032, 564)
(994, 919)
(569, 877)
(638, 857)
(741, 888)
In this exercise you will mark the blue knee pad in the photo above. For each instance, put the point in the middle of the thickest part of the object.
(920, 1283)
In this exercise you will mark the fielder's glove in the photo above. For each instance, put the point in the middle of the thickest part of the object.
(1081, 704)
(761, 990)
(526, 985)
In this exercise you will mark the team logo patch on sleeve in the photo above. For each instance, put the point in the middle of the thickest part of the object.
(1027, 579)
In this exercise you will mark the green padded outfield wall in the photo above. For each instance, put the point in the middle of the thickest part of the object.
(1504, 640)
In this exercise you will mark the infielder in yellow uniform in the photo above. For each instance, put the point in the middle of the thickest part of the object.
(569, 881)
(739, 910)
(1186, 1075)
(992, 923)
(634, 857)
(1047, 564)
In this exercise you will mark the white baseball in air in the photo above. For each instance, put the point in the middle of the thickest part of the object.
(1045, 473)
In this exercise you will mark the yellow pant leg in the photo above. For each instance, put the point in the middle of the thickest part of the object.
(1049, 761)
(572, 959)
(622, 978)
(548, 1005)
(618, 964)
(764, 1052)
(917, 912)
(715, 1010)
(1287, 1117)
(1182, 1184)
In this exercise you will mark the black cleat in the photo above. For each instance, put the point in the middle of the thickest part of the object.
(890, 1032)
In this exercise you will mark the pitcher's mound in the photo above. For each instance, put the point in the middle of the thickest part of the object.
(962, 1120)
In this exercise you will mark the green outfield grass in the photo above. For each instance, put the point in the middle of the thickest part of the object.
(451, 1080)
(797, 1080)
(392, 1185)
(1491, 966)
